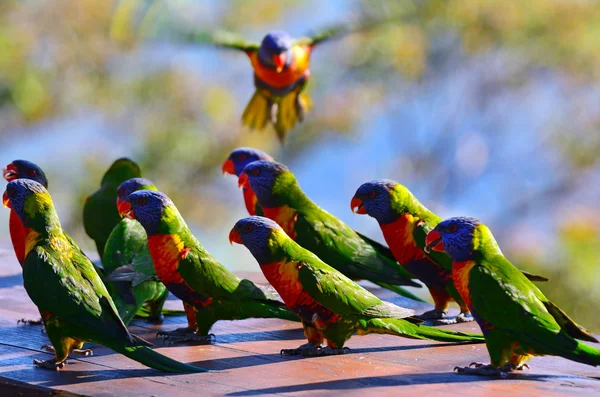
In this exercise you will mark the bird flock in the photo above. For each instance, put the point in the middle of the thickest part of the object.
(311, 259)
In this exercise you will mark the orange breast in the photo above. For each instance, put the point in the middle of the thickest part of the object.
(250, 200)
(285, 217)
(461, 273)
(399, 237)
(17, 235)
(166, 251)
(296, 70)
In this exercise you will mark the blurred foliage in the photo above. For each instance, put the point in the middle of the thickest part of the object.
(175, 105)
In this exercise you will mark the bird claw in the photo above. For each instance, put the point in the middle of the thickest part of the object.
(48, 348)
(26, 321)
(83, 352)
(483, 370)
(50, 364)
(464, 318)
(184, 335)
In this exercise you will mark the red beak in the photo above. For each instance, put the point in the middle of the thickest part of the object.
(243, 181)
(119, 202)
(228, 167)
(433, 241)
(5, 200)
(235, 237)
(125, 210)
(279, 61)
(356, 205)
(10, 172)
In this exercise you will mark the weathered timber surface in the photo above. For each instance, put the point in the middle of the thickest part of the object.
(246, 356)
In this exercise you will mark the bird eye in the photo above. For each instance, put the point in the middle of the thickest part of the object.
(142, 201)
(242, 157)
(452, 228)
(372, 194)
(248, 228)
(32, 173)
(255, 172)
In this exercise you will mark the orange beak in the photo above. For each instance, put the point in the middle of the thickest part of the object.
(125, 210)
(433, 241)
(235, 237)
(5, 200)
(10, 172)
(279, 61)
(356, 205)
(228, 167)
(243, 181)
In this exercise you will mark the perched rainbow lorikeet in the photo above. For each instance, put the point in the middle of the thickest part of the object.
(128, 267)
(235, 164)
(192, 274)
(281, 73)
(65, 287)
(331, 306)
(405, 223)
(518, 321)
(23, 169)
(100, 215)
(282, 200)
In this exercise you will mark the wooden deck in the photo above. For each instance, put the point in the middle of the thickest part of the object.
(246, 358)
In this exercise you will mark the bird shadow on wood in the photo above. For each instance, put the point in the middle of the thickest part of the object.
(389, 381)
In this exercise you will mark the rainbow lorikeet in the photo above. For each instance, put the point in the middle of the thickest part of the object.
(65, 287)
(281, 73)
(331, 306)
(23, 169)
(405, 222)
(518, 321)
(128, 267)
(192, 274)
(235, 164)
(282, 200)
(100, 215)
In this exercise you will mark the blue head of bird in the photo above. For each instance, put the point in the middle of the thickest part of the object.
(455, 236)
(375, 199)
(241, 157)
(275, 51)
(255, 232)
(132, 185)
(23, 169)
(149, 207)
(268, 180)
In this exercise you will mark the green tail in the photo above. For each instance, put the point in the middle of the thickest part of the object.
(402, 327)
(585, 354)
(152, 359)
(144, 312)
(564, 345)
(268, 309)
(401, 291)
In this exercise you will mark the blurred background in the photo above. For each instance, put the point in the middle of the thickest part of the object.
(481, 108)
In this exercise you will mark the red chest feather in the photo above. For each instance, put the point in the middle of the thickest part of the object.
(166, 251)
(17, 235)
(461, 274)
(295, 71)
(399, 237)
(285, 216)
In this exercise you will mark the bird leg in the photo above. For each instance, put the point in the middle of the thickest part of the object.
(184, 335)
(464, 317)
(81, 352)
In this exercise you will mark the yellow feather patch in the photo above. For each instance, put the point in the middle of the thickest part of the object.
(37, 202)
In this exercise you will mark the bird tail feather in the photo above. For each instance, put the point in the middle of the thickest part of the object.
(258, 111)
(401, 291)
(152, 359)
(402, 327)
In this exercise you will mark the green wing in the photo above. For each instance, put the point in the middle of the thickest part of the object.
(338, 245)
(323, 35)
(208, 277)
(70, 288)
(221, 38)
(341, 295)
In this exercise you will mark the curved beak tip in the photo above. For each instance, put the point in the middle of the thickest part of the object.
(357, 206)
(234, 237)
(279, 61)
(9, 172)
(228, 167)
(243, 180)
(433, 242)
(125, 210)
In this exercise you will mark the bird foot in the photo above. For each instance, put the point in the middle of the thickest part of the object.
(299, 351)
(156, 318)
(80, 352)
(50, 364)
(181, 335)
(464, 318)
(26, 321)
(436, 317)
(485, 370)
(48, 348)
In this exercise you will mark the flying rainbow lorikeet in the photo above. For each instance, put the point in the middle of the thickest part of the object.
(331, 306)
(192, 274)
(281, 68)
(235, 164)
(129, 271)
(359, 258)
(405, 223)
(100, 215)
(65, 287)
(23, 169)
(518, 321)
